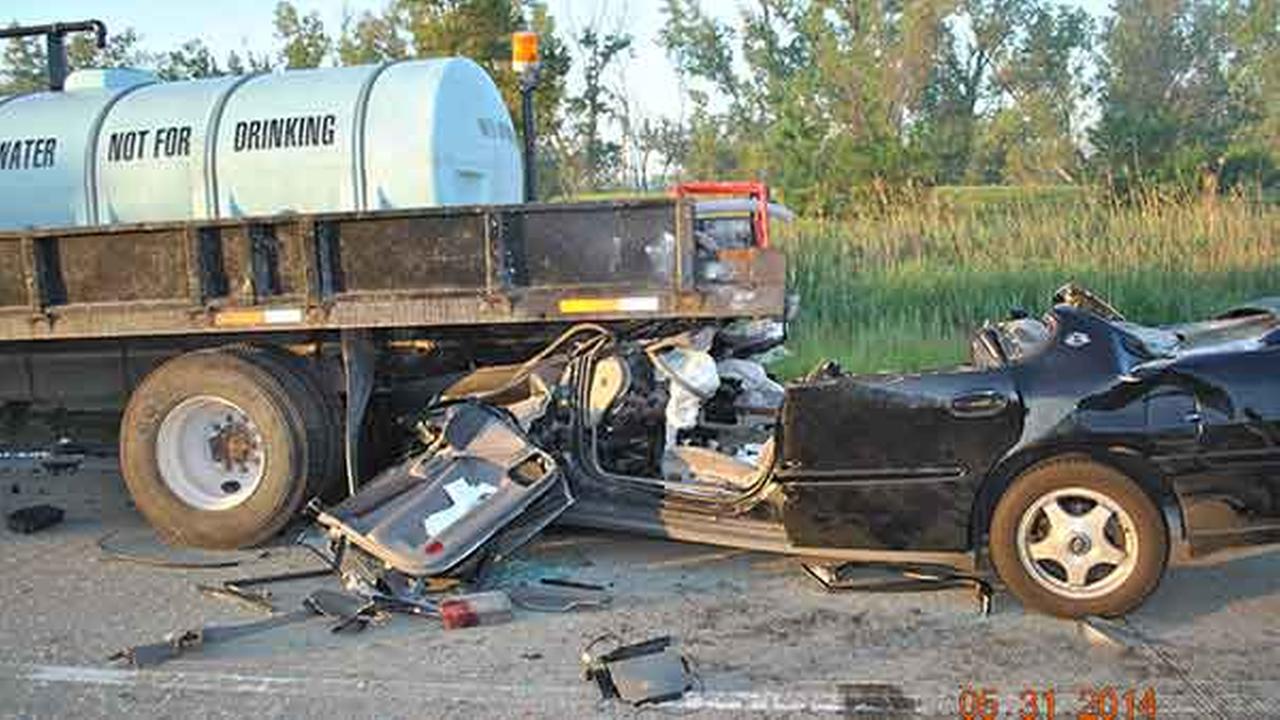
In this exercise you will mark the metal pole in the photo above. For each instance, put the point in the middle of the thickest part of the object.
(56, 57)
(528, 84)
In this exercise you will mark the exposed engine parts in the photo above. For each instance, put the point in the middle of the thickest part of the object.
(682, 414)
(631, 435)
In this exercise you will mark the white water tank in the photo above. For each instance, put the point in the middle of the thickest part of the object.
(119, 147)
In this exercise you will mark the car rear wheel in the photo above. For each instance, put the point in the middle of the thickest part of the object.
(220, 448)
(1075, 537)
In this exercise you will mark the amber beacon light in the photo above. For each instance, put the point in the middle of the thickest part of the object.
(524, 51)
(524, 60)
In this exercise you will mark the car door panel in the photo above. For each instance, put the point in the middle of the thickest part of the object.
(892, 461)
(485, 486)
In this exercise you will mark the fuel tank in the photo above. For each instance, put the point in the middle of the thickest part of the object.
(118, 146)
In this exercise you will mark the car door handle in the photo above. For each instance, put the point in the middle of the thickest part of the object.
(979, 404)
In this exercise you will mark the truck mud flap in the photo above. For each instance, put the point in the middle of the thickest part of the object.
(484, 488)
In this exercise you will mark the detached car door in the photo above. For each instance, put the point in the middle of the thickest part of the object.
(892, 462)
(484, 487)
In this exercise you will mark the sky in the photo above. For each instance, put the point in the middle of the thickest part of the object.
(227, 25)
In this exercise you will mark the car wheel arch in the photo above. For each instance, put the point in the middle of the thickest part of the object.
(1127, 460)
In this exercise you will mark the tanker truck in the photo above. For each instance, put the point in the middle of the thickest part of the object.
(265, 272)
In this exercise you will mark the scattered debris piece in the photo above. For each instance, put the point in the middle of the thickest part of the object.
(352, 612)
(255, 599)
(144, 548)
(483, 608)
(65, 459)
(562, 582)
(559, 597)
(279, 577)
(641, 673)
(180, 642)
(242, 589)
(440, 584)
(33, 519)
(876, 700)
(888, 578)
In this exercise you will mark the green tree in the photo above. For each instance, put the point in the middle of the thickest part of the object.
(250, 62)
(481, 30)
(23, 66)
(701, 47)
(596, 159)
(1032, 134)
(122, 50)
(832, 99)
(820, 96)
(665, 140)
(1168, 111)
(977, 36)
(372, 38)
(189, 61)
(1253, 78)
(304, 41)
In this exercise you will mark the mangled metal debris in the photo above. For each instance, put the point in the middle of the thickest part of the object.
(677, 431)
(428, 515)
(252, 591)
(551, 595)
(642, 673)
(897, 578)
(183, 642)
(254, 599)
(495, 463)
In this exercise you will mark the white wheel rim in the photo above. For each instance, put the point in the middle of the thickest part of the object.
(1078, 543)
(210, 452)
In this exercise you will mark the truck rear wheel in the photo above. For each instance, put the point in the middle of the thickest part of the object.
(220, 448)
(321, 408)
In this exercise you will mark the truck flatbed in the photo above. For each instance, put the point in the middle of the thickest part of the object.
(429, 268)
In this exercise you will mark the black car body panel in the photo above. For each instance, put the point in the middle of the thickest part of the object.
(892, 461)
(1224, 462)
(895, 462)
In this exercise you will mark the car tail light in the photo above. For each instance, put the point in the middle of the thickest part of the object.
(484, 608)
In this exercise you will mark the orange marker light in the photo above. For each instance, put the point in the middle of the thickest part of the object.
(524, 50)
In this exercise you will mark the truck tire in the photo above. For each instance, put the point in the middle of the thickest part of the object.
(1074, 537)
(219, 447)
(321, 407)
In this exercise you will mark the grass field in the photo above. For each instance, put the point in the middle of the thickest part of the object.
(902, 289)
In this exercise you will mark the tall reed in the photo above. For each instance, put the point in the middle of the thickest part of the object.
(900, 288)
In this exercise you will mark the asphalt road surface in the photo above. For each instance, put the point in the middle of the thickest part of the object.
(764, 639)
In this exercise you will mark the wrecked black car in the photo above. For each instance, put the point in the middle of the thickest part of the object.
(1078, 453)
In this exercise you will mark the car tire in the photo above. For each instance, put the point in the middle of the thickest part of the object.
(220, 448)
(1074, 537)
